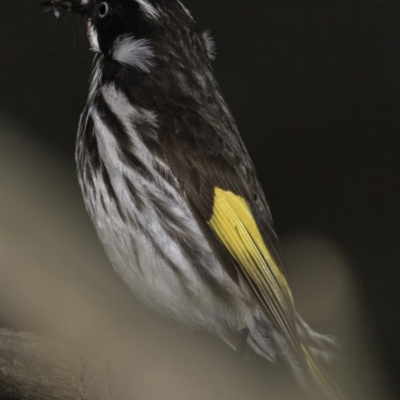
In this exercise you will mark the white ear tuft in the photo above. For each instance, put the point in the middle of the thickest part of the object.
(210, 44)
(137, 53)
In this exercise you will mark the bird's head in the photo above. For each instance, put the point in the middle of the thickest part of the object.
(135, 32)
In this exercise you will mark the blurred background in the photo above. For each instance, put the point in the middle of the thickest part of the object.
(315, 89)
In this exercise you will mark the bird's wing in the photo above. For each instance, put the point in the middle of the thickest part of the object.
(218, 180)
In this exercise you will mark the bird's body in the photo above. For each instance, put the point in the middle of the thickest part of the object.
(172, 190)
(119, 132)
(163, 254)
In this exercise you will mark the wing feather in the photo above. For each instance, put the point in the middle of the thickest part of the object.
(218, 180)
(235, 226)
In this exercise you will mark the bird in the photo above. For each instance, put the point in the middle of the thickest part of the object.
(172, 190)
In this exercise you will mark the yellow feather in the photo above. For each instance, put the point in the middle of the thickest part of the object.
(233, 222)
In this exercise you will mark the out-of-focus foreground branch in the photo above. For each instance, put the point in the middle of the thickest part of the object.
(36, 368)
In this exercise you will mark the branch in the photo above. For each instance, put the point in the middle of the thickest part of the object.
(36, 368)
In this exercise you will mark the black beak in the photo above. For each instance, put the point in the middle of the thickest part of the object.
(67, 5)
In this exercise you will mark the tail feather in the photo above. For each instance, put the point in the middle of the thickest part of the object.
(318, 381)
(306, 360)
(322, 347)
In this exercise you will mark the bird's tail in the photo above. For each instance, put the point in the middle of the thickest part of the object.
(306, 360)
(315, 380)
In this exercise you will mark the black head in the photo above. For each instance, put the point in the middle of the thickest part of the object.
(131, 30)
(108, 20)
(143, 36)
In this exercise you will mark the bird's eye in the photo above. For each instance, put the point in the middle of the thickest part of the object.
(103, 9)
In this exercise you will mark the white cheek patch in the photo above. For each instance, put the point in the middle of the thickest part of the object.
(137, 53)
(92, 34)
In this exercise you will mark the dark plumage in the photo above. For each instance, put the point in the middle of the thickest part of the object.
(172, 190)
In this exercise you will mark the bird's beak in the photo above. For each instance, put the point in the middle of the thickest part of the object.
(67, 5)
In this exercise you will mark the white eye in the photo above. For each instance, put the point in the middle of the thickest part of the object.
(103, 9)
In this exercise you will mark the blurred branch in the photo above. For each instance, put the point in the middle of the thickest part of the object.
(36, 368)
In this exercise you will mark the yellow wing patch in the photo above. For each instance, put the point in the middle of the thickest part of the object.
(234, 224)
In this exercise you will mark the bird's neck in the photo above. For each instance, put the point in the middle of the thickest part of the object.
(162, 85)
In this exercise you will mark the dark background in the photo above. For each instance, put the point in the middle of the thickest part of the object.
(314, 87)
